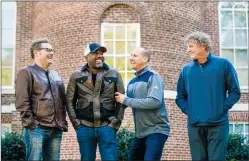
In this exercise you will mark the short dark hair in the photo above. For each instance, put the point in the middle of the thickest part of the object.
(36, 44)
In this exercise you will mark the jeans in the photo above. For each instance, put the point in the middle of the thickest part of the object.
(105, 136)
(208, 142)
(42, 143)
(148, 148)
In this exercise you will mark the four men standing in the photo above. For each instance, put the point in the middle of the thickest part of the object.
(95, 101)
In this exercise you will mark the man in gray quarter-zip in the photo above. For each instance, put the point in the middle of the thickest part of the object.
(145, 95)
(207, 88)
(92, 109)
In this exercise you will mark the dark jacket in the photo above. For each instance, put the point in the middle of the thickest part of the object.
(206, 92)
(95, 106)
(41, 101)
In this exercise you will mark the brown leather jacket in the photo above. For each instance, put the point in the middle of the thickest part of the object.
(95, 106)
(41, 101)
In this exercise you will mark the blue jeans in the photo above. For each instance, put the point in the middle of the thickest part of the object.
(105, 136)
(148, 148)
(42, 143)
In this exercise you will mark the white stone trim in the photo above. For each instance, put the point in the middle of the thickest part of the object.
(8, 108)
(169, 94)
(239, 107)
(8, 91)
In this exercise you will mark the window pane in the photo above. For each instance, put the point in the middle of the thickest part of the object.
(241, 58)
(109, 47)
(226, 4)
(247, 138)
(6, 76)
(240, 18)
(226, 19)
(246, 128)
(240, 38)
(239, 128)
(7, 38)
(8, 19)
(129, 77)
(239, 6)
(109, 61)
(243, 76)
(129, 64)
(10, 6)
(131, 45)
(120, 32)
(7, 57)
(108, 32)
(120, 63)
(131, 32)
(228, 53)
(230, 128)
(227, 38)
(123, 76)
(120, 47)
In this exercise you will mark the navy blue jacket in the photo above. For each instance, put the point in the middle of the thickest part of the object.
(205, 92)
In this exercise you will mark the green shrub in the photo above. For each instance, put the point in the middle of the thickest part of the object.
(125, 138)
(237, 148)
(12, 147)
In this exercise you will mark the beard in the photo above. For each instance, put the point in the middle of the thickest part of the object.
(98, 64)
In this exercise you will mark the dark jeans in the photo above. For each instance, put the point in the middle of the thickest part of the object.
(208, 143)
(105, 136)
(148, 148)
(42, 143)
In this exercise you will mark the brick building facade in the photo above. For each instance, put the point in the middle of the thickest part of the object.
(161, 26)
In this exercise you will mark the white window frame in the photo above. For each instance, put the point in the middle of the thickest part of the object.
(234, 123)
(10, 89)
(244, 88)
(114, 40)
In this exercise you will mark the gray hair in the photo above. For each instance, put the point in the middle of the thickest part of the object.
(200, 38)
(36, 44)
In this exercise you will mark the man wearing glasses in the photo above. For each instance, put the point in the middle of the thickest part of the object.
(92, 109)
(40, 99)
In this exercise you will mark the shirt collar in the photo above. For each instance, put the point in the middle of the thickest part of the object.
(86, 67)
(142, 71)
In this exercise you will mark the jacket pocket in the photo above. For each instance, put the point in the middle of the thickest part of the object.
(81, 80)
(45, 111)
(109, 105)
(109, 85)
(85, 110)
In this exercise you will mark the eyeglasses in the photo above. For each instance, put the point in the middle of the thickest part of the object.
(47, 49)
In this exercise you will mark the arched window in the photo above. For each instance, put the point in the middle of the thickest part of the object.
(120, 34)
(8, 44)
(120, 40)
(233, 27)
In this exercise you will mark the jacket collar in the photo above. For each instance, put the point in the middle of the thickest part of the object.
(39, 68)
(142, 71)
(86, 67)
(209, 58)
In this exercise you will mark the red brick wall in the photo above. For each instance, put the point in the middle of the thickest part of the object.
(6, 117)
(71, 25)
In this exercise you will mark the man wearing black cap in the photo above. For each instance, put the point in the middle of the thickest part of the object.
(92, 109)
